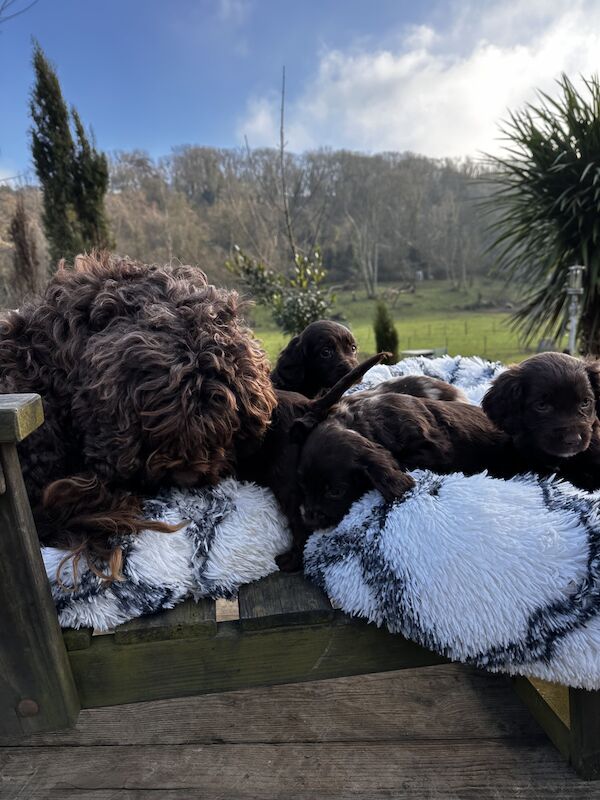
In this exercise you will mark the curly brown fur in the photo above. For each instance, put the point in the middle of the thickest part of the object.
(148, 376)
(369, 442)
(549, 405)
(316, 359)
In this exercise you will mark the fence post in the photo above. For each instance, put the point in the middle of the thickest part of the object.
(37, 691)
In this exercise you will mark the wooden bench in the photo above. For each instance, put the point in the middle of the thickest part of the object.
(287, 632)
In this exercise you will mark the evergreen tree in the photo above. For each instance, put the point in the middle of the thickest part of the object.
(52, 149)
(73, 174)
(90, 184)
(386, 335)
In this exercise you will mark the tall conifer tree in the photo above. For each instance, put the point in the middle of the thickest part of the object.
(53, 153)
(73, 174)
(90, 184)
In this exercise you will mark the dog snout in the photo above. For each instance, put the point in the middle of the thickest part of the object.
(572, 440)
(313, 518)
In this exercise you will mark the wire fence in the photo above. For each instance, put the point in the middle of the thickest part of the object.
(493, 340)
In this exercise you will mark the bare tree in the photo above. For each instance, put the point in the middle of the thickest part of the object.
(284, 198)
(8, 10)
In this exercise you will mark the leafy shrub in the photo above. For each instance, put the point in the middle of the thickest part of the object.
(294, 300)
(386, 335)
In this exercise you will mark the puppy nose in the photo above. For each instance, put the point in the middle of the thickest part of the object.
(574, 438)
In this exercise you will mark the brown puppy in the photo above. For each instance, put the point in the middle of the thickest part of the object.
(275, 465)
(316, 359)
(548, 404)
(369, 443)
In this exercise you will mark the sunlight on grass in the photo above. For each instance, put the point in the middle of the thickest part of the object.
(433, 317)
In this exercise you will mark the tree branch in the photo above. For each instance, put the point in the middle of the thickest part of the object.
(286, 210)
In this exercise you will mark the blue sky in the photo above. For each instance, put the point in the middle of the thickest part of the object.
(432, 77)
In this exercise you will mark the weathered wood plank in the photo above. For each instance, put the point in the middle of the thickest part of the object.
(108, 673)
(449, 701)
(77, 639)
(185, 620)
(227, 609)
(37, 691)
(556, 696)
(20, 415)
(339, 771)
(585, 732)
(282, 599)
(551, 720)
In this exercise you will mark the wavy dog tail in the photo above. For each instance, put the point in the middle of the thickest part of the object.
(82, 513)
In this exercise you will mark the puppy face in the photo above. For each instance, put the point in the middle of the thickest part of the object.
(323, 353)
(337, 466)
(547, 403)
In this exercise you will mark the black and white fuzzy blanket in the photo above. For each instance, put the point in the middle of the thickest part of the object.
(501, 574)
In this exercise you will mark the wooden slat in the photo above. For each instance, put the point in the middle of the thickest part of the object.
(556, 696)
(109, 673)
(20, 415)
(227, 609)
(585, 732)
(77, 639)
(282, 599)
(449, 701)
(187, 619)
(549, 719)
(37, 691)
(468, 770)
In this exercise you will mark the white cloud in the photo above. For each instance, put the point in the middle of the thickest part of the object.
(438, 92)
(233, 11)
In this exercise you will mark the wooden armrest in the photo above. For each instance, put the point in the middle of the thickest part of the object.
(20, 415)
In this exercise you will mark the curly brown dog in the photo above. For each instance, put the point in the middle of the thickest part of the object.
(148, 377)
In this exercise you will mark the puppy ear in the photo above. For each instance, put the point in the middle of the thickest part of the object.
(289, 369)
(383, 471)
(503, 400)
(301, 428)
(593, 372)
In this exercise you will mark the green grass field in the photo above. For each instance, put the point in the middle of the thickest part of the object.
(435, 316)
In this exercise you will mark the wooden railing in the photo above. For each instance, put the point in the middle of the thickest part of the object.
(37, 690)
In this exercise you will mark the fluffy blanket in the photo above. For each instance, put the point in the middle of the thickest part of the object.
(502, 574)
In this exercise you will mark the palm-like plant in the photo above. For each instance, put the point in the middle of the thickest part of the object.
(545, 208)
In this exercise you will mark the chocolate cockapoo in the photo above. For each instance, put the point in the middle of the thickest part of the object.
(148, 377)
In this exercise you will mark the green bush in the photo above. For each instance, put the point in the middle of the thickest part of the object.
(386, 335)
(294, 300)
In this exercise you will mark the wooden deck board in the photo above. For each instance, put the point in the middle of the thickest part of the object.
(448, 701)
(468, 769)
(442, 732)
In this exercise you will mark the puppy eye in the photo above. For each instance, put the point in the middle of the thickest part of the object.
(354, 348)
(585, 403)
(326, 352)
(541, 405)
(335, 492)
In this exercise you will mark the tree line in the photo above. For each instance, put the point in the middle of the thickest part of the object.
(376, 218)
